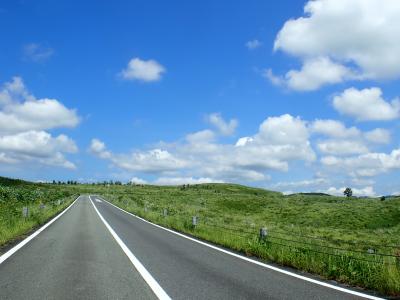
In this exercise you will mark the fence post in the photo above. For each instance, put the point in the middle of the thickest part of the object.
(25, 211)
(194, 221)
(263, 234)
(42, 206)
(165, 212)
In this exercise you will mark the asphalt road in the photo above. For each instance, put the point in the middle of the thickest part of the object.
(78, 258)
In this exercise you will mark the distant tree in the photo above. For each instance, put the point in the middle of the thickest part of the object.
(348, 192)
(383, 198)
(54, 182)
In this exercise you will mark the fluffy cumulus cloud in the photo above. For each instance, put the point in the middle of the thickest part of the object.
(151, 161)
(378, 136)
(278, 141)
(367, 50)
(23, 124)
(366, 105)
(364, 165)
(334, 128)
(342, 147)
(334, 138)
(143, 70)
(346, 155)
(314, 73)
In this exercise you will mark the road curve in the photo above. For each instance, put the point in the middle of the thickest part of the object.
(85, 255)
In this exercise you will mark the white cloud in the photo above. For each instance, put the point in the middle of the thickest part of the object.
(137, 180)
(279, 141)
(301, 183)
(37, 146)
(366, 191)
(344, 140)
(366, 105)
(23, 121)
(342, 40)
(151, 161)
(144, 70)
(98, 148)
(224, 127)
(364, 165)
(200, 137)
(37, 52)
(184, 180)
(283, 130)
(315, 73)
(274, 79)
(36, 115)
(378, 136)
(20, 111)
(243, 141)
(253, 44)
(334, 128)
(342, 147)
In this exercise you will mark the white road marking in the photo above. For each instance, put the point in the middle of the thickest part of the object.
(156, 288)
(33, 235)
(252, 260)
(98, 200)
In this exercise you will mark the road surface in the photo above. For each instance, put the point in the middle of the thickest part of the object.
(78, 257)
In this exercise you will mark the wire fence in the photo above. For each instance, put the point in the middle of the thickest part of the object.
(296, 241)
(312, 247)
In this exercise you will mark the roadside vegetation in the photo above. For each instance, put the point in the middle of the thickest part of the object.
(351, 240)
(347, 239)
(25, 206)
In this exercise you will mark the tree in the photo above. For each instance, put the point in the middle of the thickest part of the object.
(348, 192)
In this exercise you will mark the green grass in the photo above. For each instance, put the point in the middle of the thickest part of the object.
(42, 203)
(317, 233)
(325, 235)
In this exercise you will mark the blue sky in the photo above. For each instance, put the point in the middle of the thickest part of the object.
(288, 95)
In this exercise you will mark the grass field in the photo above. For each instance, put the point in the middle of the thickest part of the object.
(42, 200)
(351, 240)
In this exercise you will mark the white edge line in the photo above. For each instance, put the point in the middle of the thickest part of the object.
(252, 260)
(33, 235)
(153, 284)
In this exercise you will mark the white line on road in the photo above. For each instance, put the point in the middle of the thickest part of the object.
(156, 288)
(359, 294)
(33, 235)
(98, 200)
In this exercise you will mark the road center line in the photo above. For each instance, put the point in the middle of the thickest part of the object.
(156, 288)
(33, 235)
(359, 294)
